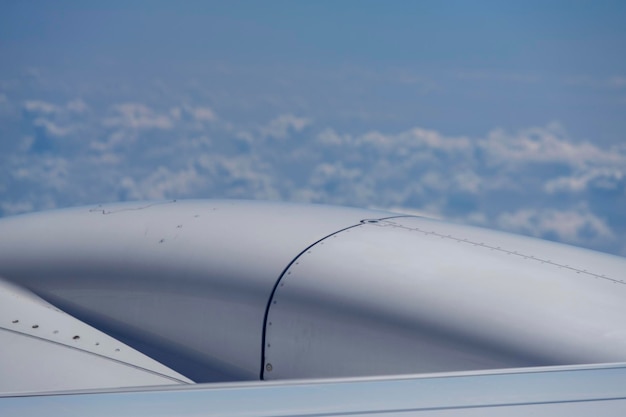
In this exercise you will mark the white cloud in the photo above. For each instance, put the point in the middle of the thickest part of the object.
(434, 140)
(52, 128)
(163, 183)
(42, 107)
(203, 114)
(283, 125)
(543, 145)
(468, 181)
(49, 171)
(138, 116)
(77, 106)
(327, 173)
(604, 178)
(376, 140)
(571, 226)
(329, 137)
(403, 143)
(536, 181)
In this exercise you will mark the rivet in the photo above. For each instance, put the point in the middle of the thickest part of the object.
(15, 321)
(35, 326)
(117, 350)
(268, 367)
(76, 337)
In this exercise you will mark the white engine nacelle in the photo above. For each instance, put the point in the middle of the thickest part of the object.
(234, 290)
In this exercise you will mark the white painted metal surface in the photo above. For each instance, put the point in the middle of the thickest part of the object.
(43, 349)
(186, 282)
(409, 295)
(550, 392)
(347, 292)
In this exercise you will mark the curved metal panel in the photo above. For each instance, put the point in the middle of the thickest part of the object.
(411, 295)
(44, 349)
(186, 282)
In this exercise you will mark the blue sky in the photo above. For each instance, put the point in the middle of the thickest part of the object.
(510, 115)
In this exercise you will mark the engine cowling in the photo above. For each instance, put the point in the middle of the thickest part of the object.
(222, 290)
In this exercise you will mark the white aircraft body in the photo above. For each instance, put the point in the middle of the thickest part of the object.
(220, 307)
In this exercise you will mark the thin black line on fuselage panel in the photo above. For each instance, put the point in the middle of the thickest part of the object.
(282, 274)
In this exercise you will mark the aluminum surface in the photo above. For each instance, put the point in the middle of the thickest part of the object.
(347, 292)
(186, 282)
(412, 295)
(566, 391)
(44, 349)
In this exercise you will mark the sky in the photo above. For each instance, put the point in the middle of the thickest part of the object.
(504, 114)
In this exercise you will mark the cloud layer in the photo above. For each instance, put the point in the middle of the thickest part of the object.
(537, 181)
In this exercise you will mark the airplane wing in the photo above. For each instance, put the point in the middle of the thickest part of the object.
(242, 300)
(45, 349)
(549, 391)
